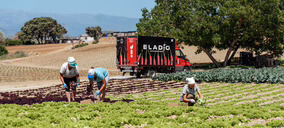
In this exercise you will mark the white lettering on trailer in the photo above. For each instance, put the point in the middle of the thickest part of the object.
(155, 47)
(168, 48)
(160, 47)
(131, 51)
(145, 46)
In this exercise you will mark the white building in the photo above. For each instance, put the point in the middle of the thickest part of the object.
(86, 38)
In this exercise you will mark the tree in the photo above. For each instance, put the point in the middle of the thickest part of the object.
(94, 32)
(42, 29)
(222, 24)
(2, 38)
(3, 50)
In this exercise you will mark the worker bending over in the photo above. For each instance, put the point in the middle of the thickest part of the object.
(101, 76)
(188, 93)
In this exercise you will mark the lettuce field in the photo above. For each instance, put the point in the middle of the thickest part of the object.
(145, 103)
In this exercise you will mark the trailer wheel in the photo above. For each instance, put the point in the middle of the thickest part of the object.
(151, 73)
(187, 69)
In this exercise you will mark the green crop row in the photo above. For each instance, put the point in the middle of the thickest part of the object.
(263, 75)
(81, 45)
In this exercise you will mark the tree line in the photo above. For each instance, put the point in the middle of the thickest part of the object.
(255, 25)
(40, 30)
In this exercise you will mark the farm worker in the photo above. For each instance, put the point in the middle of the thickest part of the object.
(188, 93)
(91, 80)
(101, 76)
(69, 73)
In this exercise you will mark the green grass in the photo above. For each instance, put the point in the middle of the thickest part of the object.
(154, 109)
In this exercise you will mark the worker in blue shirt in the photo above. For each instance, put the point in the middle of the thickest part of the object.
(101, 76)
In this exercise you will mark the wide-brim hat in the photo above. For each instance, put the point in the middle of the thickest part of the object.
(72, 62)
(190, 80)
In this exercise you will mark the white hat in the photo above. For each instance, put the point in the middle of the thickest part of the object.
(190, 80)
(72, 61)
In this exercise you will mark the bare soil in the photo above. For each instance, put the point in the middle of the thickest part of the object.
(14, 86)
(37, 49)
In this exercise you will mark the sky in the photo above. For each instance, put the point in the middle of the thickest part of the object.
(126, 8)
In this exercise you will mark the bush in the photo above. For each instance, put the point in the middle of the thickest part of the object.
(3, 50)
(95, 42)
(81, 45)
(10, 42)
(281, 62)
(20, 54)
(28, 42)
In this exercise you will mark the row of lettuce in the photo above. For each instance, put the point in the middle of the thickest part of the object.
(142, 112)
(262, 75)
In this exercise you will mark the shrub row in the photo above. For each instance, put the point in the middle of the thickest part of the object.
(95, 42)
(10, 42)
(263, 75)
(81, 45)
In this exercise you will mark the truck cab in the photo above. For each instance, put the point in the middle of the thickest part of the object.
(182, 62)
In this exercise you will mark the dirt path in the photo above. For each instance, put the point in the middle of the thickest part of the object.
(14, 86)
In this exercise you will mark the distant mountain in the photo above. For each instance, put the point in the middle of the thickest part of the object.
(11, 21)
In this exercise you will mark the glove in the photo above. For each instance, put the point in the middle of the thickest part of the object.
(98, 92)
(65, 85)
(192, 101)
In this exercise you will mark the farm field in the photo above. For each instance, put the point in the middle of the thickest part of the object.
(99, 55)
(27, 74)
(37, 49)
(45, 65)
(11, 73)
(145, 103)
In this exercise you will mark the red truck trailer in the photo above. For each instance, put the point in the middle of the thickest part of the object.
(144, 55)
